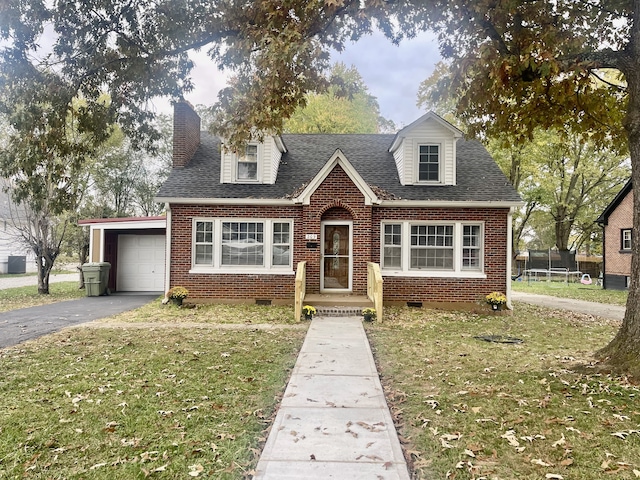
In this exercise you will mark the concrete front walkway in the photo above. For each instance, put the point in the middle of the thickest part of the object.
(334, 421)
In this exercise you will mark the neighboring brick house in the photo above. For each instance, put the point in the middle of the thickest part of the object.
(617, 223)
(432, 209)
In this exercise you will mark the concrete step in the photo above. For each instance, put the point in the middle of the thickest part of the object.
(338, 305)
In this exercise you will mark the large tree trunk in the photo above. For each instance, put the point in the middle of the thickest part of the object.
(623, 353)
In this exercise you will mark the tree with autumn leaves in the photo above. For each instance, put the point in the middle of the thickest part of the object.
(518, 66)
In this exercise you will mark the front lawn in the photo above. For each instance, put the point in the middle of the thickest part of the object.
(472, 409)
(246, 314)
(578, 291)
(23, 297)
(135, 403)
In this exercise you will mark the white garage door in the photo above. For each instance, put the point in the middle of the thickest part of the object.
(140, 263)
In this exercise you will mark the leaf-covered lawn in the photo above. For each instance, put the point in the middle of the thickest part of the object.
(23, 297)
(247, 314)
(472, 409)
(578, 291)
(117, 403)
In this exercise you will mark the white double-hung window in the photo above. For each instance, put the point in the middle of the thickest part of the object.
(247, 169)
(242, 245)
(438, 249)
(429, 163)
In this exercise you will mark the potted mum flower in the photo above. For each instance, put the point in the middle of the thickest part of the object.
(496, 300)
(308, 311)
(369, 314)
(178, 294)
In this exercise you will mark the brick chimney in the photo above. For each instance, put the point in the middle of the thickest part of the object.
(186, 133)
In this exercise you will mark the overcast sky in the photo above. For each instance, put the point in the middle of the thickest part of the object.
(392, 73)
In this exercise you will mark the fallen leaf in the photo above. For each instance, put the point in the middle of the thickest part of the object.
(554, 476)
(566, 462)
(510, 436)
(469, 453)
(445, 444)
(559, 442)
(542, 463)
(195, 470)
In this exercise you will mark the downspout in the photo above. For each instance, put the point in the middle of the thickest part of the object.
(604, 257)
(167, 250)
(509, 255)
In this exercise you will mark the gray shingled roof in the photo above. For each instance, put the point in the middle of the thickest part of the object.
(479, 178)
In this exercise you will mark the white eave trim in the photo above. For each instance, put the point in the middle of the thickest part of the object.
(128, 225)
(448, 204)
(397, 140)
(226, 201)
(338, 158)
(298, 201)
(280, 144)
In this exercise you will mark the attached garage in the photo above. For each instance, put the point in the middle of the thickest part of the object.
(135, 248)
(140, 263)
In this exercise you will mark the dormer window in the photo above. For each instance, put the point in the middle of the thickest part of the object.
(248, 164)
(428, 163)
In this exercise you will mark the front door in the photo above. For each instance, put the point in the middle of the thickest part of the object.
(335, 274)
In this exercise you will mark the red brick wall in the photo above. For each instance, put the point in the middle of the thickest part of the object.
(201, 285)
(339, 199)
(618, 263)
(339, 191)
(186, 133)
(446, 290)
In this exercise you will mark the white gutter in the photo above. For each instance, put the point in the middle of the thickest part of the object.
(383, 203)
(226, 201)
(509, 255)
(448, 204)
(167, 251)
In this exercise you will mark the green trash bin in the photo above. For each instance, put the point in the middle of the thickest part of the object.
(96, 278)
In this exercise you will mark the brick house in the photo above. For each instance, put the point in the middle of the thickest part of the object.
(617, 224)
(431, 209)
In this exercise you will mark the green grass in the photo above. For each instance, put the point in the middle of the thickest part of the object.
(472, 409)
(23, 297)
(116, 403)
(246, 314)
(591, 293)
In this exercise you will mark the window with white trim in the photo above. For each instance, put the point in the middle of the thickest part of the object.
(431, 247)
(439, 249)
(248, 164)
(242, 243)
(281, 251)
(428, 163)
(203, 243)
(236, 245)
(392, 256)
(625, 239)
(471, 247)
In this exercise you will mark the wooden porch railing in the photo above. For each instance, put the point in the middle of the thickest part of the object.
(374, 288)
(301, 285)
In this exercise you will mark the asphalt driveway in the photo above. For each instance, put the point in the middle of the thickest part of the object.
(18, 326)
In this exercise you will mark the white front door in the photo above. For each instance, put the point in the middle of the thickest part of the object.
(141, 261)
(335, 270)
